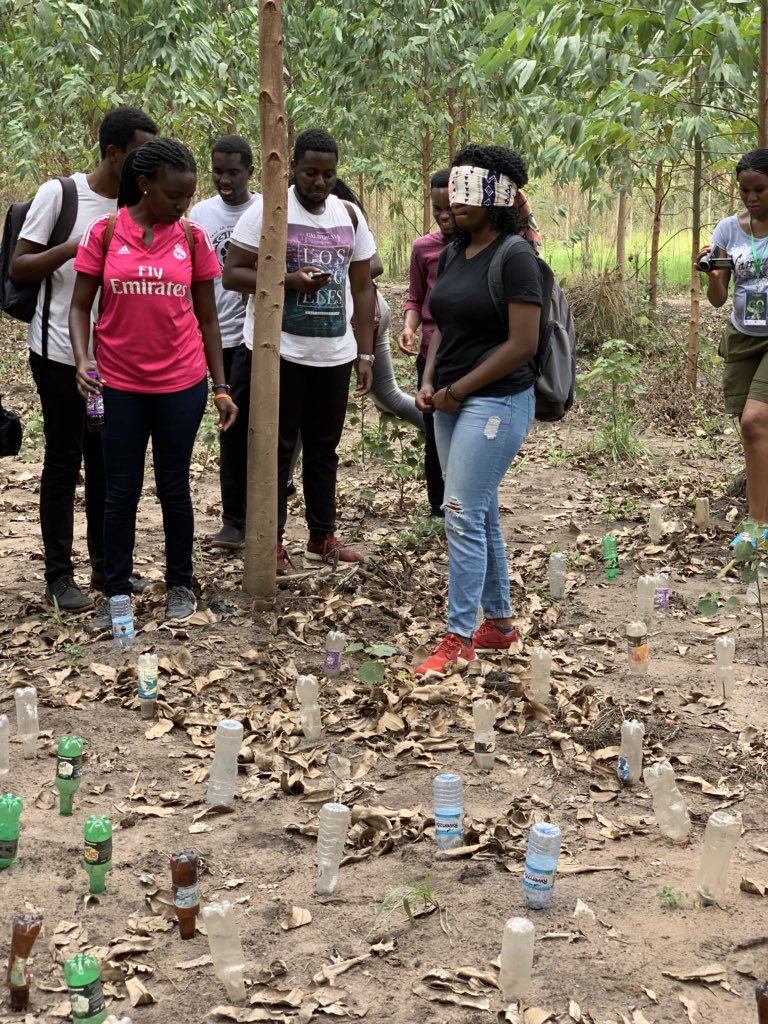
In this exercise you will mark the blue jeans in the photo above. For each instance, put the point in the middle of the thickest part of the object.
(476, 445)
(171, 420)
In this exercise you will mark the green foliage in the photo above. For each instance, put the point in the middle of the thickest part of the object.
(371, 672)
(709, 603)
(752, 555)
(414, 898)
(614, 385)
(419, 537)
(670, 899)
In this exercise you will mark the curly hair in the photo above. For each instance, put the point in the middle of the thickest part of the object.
(316, 139)
(147, 160)
(236, 144)
(754, 160)
(505, 161)
(120, 125)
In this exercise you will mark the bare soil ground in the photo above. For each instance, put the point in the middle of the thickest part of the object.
(644, 961)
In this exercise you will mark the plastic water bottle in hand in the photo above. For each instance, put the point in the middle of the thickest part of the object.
(484, 714)
(541, 858)
(331, 836)
(223, 774)
(516, 958)
(27, 724)
(449, 811)
(306, 691)
(226, 948)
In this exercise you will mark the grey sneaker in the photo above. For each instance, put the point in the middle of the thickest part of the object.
(101, 621)
(65, 593)
(180, 603)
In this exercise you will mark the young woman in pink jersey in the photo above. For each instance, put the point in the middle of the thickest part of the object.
(155, 339)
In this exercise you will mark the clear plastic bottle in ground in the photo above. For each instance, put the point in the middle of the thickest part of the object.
(223, 773)
(484, 715)
(661, 595)
(610, 557)
(668, 803)
(186, 891)
(701, 515)
(646, 589)
(541, 674)
(147, 684)
(557, 569)
(630, 765)
(27, 724)
(5, 739)
(656, 522)
(226, 948)
(720, 837)
(331, 836)
(637, 648)
(335, 643)
(83, 976)
(516, 960)
(97, 851)
(10, 825)
(309, 709)
(761, 995)
(725, 650)
(541, 858)
(122, 620)
(69, 770)
(94, 408)
(26, 928)
(449, 811)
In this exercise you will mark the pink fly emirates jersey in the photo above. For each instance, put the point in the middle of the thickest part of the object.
(147, 337)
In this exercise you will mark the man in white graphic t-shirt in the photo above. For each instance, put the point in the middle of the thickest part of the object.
(67, 444)
(327, 281)
(231, 170)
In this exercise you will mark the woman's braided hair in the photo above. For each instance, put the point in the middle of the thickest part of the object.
(147, 160)
(754, 160)
(494, 158)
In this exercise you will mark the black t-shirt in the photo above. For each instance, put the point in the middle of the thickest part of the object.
(463, 308)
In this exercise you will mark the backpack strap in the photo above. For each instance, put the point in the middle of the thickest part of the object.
(108, 233)
(62, 229)
(189, 235)
(352, 213)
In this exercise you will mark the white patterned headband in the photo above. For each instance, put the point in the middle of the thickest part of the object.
(477, 186)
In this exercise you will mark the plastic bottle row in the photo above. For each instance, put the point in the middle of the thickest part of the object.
(638, 651)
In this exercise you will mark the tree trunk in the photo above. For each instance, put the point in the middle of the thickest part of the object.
(453, 127)
(621, 235)
(762, 79)
(693, 330)
(426, 159)
(658, 202)
(261, 526)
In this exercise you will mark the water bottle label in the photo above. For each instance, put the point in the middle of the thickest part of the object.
(8, 848)
(95, 405)
(661, 598)
(16, 973)
(637, 649)
(97, 854)
(69, 768)
(332, 661)
(623, 769)
(122, 626)
(485, 746)
(448, 826)
(147, 687)
(86, 1000)
(187, 896)
(538, 880)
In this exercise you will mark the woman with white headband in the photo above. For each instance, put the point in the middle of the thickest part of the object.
(478, 380)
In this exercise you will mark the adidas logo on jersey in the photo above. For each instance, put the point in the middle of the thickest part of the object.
(123, 251)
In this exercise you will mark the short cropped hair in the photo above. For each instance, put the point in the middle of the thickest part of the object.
(234, 144)
(120, 125)
(316, 139)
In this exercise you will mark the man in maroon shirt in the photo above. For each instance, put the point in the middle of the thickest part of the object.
(422, 276)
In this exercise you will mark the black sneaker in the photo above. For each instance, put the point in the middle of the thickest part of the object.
(137, 583)
(101, 621)
(66, 594)
(180, 603)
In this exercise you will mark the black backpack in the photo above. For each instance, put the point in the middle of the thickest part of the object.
(10, 432)
(20, 300)
(555, 361)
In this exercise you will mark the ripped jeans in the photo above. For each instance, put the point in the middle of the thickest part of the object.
(477, 445)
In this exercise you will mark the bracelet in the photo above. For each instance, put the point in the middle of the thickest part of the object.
(451, 395)
(224, 394)
(366, 357)
(221, 387)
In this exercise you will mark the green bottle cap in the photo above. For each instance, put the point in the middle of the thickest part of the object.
(70, 746)
(81, 968)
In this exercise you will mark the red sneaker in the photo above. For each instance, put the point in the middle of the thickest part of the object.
(449, 649)
(283, 561)
(489, 638)
(330, 549)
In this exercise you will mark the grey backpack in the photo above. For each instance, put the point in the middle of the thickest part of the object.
(554, 364)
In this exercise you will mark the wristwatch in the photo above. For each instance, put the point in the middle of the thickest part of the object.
(366, 357)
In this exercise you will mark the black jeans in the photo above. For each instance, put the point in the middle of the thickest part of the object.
(171, 420)
(432, 468)
(233, 453)
(313, 404)
(67, 445)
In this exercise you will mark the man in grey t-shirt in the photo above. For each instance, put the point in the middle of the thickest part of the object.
(231, 169)
(67, 444)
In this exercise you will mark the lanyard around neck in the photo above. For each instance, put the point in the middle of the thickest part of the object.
(757, 258)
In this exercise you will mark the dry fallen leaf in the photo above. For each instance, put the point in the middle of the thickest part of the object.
(299, 917)
(138, 993)
(159, 729)
(750, 885)
(710, 973)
